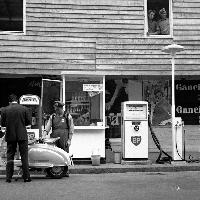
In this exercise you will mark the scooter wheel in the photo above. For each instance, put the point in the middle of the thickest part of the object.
(57, 171)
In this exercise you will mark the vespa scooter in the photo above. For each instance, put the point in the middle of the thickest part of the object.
(46, 156)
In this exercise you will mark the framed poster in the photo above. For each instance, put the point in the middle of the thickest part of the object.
(158, 94)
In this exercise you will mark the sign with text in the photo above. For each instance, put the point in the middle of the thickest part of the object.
(136, 111)
(93, 87)
(187, 97)
(29, 100)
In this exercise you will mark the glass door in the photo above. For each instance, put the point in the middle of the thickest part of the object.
(50, 92)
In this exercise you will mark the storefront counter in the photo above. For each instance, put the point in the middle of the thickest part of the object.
(87, 141)
(84, 97)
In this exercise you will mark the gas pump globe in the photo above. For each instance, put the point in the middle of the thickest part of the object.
(134, 130)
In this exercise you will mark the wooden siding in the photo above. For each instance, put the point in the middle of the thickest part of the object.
(138, 58)
(106, 35)
(186, 19)
(46, 53)
(83, 18)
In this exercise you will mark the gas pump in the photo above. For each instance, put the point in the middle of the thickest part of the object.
(134, 130)
(32, 102)
(177, 140)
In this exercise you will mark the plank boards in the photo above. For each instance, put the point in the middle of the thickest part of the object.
(85, 18)
(104, 35)
(186, 18)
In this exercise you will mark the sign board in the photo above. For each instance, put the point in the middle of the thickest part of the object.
(29, 99)
(187, 95)
(93, 87)
(136, 111)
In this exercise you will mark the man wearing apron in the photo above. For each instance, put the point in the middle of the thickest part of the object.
(62, 126)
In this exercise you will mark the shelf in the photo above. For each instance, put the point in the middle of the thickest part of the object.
(74, 113)
(89, 127)
(76, 101)
(79, 104)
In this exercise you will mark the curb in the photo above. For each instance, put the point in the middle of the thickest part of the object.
(140, 168)
(119, 168)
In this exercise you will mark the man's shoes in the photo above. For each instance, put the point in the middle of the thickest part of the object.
(8, 180)
(27, 180)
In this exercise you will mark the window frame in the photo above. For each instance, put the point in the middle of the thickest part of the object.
(23, 32)
(91, 76)
(146, 22)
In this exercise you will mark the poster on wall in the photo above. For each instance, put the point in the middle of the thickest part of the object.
(187, 95)
(116, 92)
(158, 94)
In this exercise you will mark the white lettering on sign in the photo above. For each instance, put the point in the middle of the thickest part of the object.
(187, 87)
(184, 110)
(29, 100)
(92, 87)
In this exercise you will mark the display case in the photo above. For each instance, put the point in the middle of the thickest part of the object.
(84, 100)
(80, 108)
(84, 97)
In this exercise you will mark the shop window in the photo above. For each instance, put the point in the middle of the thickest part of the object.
(158, 18)
(12, 15)
(84, 101)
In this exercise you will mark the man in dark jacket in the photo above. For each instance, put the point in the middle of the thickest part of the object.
(15, 118)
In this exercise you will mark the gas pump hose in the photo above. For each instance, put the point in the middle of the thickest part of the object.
(157, 143)
(169, 158)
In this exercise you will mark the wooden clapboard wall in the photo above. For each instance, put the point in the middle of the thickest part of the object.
(143, 55)
(85, 18)
(187, 33)
(99, 35)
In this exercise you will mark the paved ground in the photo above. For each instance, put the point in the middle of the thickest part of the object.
(112, 186)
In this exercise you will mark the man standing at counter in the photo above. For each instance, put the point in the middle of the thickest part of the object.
(62, 126)
(15, 118)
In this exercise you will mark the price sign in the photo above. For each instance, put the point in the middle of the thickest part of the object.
(93, 87)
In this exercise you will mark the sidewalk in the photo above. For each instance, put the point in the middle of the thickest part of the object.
(123, 168)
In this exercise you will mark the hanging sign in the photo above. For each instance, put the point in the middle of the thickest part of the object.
(29, 99)
(93, 87)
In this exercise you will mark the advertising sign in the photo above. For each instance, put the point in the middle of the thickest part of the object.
(29, 99)
(187, 95)
(134, 111)
(93, 87)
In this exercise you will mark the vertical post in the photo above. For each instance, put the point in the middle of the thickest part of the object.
(63, 91)
(104, 114)
(40, 109)
(173, 108)
(172, 50)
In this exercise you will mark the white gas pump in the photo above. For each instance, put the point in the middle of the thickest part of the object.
(134, 130)
(177, 140)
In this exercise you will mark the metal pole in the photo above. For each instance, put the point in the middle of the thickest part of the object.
(184, 144)
(63, 91)
(40, 110)
(173, 107)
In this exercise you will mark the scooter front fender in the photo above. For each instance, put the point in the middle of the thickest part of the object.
(44, 153)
